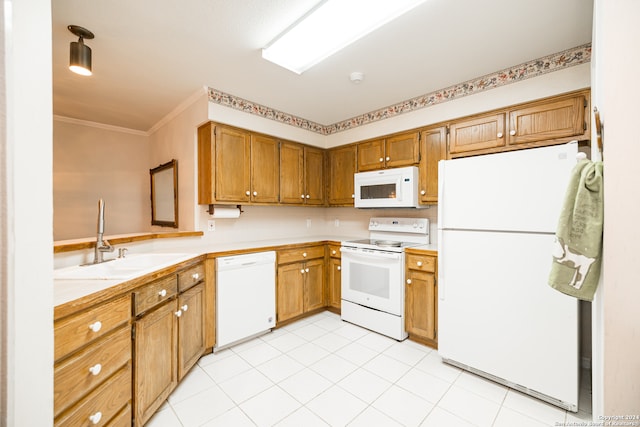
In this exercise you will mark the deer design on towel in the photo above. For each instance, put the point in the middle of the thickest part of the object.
(580, 263)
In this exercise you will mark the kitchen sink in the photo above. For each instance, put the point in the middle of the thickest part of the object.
(133, 265)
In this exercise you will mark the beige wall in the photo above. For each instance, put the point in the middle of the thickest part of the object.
(617, 339)
(92, 162)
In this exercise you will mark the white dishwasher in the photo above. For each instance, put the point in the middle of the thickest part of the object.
(245, 297)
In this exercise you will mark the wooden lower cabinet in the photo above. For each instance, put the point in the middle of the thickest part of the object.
(421, 296)
(168, 340)
(334, 279)
(300, 282)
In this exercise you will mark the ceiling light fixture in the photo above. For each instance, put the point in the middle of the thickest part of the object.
(80, 53)
(329, 27)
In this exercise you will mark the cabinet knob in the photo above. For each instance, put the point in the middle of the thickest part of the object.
(339, 268)
(255, 193)
(353, 196)
(302, 196)
(178, 313)
(499, 135)
(195, 276)
(408, 281)
(419, 263)
(381, 159)
(248, 193)
(95, 418)
(304, 254)
(423, 192)
(333, 252)
(95, 369)
(95, 326)
(302, 270)
(185, 307)
(163, 293)
(308, 196)
(306, 270)
(512, 132)
(388, 158)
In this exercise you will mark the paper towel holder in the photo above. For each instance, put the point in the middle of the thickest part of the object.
(211, 208)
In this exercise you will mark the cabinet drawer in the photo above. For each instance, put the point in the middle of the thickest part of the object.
(75, 331)
(123, 419)
(421, 263)
(154, 293)
(73, 377)
(334, 251)
(190, 277)
(301, 254)
(104, 403)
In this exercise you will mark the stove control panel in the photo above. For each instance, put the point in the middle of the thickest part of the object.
(399, 225)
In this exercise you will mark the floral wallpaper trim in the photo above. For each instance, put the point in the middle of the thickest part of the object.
(555, 62)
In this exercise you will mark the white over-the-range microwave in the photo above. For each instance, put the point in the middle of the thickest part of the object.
(387, 188)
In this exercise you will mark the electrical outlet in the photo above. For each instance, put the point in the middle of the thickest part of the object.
(336, 223)
(308, 223)
(211, 225)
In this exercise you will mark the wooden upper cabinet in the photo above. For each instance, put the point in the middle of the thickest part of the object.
(291, 173)
(342, 167)
(301, 174)
(548, 120)
(265, 169)
(233, 164)
(371, 155)
(434, 149)
(402, 150)
(314, 175)
(391, 152)
(479, 133)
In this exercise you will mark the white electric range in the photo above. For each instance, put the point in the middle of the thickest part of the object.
(373, 274)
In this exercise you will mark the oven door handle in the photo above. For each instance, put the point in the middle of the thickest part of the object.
(351, 252)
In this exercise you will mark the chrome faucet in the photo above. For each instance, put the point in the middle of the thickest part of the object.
(102, 245)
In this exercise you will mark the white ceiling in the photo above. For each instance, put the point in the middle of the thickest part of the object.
(151, 55)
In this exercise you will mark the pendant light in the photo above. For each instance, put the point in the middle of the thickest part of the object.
(80, 53)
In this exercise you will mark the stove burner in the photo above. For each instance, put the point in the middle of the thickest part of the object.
(387, 243)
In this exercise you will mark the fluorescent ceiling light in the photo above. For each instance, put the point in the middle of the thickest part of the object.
(329, 27)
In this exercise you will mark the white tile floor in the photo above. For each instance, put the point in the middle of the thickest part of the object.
(321, 371)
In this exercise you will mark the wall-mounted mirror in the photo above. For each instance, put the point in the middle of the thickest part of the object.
(164, 194)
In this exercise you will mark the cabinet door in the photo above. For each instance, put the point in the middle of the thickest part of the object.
(371, 155)
(477, 134)
(233, 172)
(402, 150)
(434, 149)
(191, 340)
(546, 121)
(420, 302)
(291, 173)
(289, 293)
(155, 374)
(265, 169)
(314, 284)
(206, 164)
(314, 176)
(335, 283)
(342, 166)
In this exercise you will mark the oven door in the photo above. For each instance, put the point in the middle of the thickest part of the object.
(373, 279)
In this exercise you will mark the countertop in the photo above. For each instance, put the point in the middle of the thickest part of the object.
(68, 290)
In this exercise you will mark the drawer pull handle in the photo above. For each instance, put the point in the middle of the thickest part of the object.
(163, 293)
(95, 369)
(408, 281)
(339, 268)
(178, 313)
(96, 326)
(195, 276)
(304, 254)
(185, 307)
(95, 418)
(419, 263)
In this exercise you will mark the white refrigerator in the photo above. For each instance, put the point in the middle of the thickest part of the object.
(497, 316)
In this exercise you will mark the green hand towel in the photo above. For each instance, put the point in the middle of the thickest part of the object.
(577, 252)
